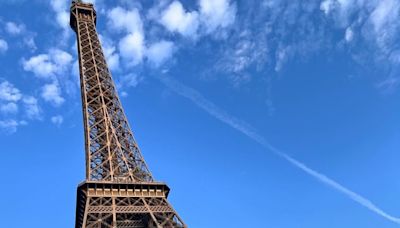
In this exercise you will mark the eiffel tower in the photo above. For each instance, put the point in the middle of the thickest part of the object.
(119, 190)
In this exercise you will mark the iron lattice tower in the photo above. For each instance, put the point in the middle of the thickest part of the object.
(119, 190)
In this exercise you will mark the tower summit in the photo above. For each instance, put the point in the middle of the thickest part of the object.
(119, 190)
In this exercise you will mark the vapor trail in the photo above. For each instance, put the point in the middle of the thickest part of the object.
(246, 129)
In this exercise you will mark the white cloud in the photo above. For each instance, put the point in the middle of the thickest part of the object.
(327, 6)
(57, 120)
(389, 85)
(132, 48)
(40, 65)
(267, 36)
(374, 23)
(382, 15)
(132, 45)
(3, 45)
(52, 93)
(386, 11)
(112, 57)
(75, 73)
(124, 20)
(9, 93)
(30, 42)
(9, 126)
(349, 35)
(32, 108)
(14, 28)
(129, 80)
(242, 55)
(385, 21)
(160, 52)
(59, 5)
(287, 32)
(176, 19)
(9, 108)
(213, 17)
(242, 52)
(10, 100)
(217, 14)
(343, 8)
(282, 55)
(62, 15)
(61, 58)
(48, 65)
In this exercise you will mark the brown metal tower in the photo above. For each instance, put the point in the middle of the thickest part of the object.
(119, 191)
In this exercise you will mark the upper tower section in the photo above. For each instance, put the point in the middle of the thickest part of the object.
(112, 154)
(81, 11)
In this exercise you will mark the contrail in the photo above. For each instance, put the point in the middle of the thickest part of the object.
(246, 129)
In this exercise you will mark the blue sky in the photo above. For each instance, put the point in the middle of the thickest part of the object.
(257, 113)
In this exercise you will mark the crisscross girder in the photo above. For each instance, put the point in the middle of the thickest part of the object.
(112, 153)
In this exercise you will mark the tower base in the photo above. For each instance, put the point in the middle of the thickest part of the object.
(125, 205)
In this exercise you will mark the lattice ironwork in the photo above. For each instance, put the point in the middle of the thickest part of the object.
(112, 154)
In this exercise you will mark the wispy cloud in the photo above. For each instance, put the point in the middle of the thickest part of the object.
(110, 52)
(52, 67)
(11, 99)
(243, 127)
(14, 28)
(9, 108)
(212, 17)
(160, 52)
(52, 93)
(32, 108)
(3, 46)
(10, 126)
(278, 33)
(19, 34)
(9, 92)
(57, 120)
